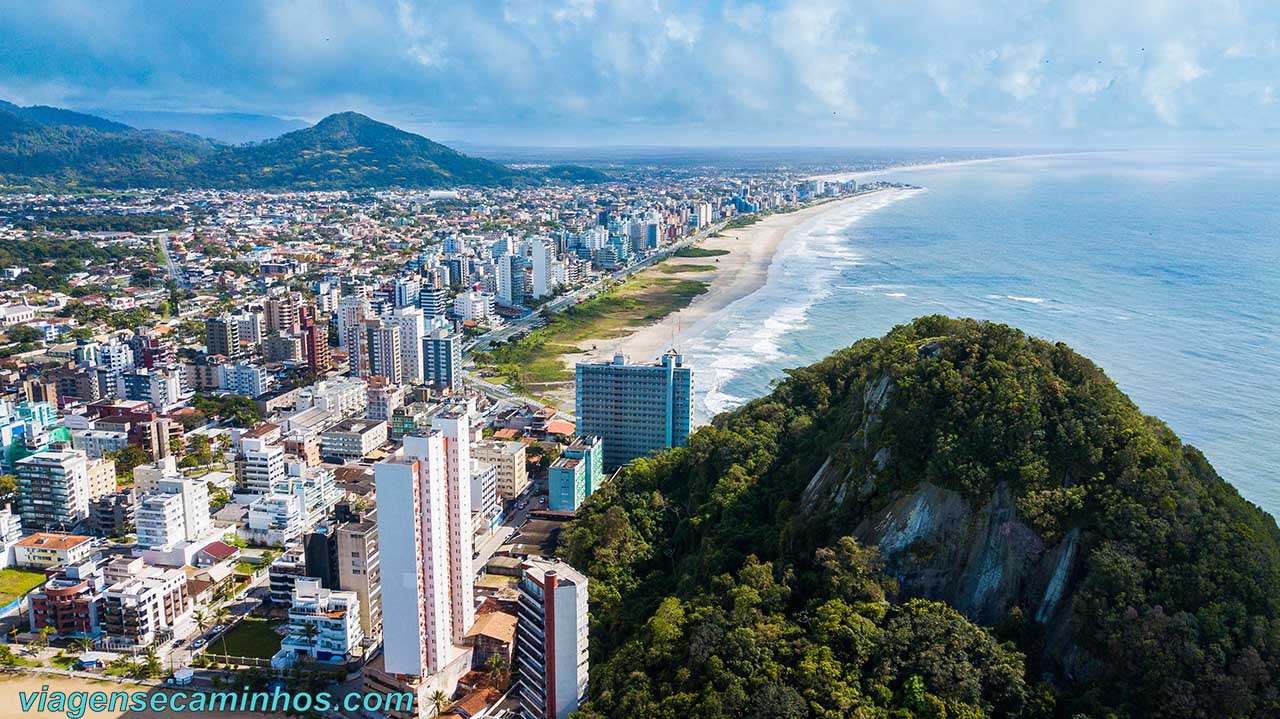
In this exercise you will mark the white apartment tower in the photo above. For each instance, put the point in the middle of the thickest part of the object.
(413, 327)
(541, 258)
(455, 424)
(414, 544)
(352, 311)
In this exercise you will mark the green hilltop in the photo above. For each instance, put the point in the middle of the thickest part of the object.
(954, 520)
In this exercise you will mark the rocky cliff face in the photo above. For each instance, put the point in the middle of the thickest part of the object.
(981, 559)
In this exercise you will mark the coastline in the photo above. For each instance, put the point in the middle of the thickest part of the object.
(741, 272)
(861, 174)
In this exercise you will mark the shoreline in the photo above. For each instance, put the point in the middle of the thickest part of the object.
(741, 272)
(860, 174)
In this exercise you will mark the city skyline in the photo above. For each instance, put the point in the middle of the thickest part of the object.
(719, 74)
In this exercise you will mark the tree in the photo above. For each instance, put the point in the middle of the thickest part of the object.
(23, 334)
(222, 615)
(8, 488)
(312, 634)
(440, 701)
(201, 618)
(82, 644)
(128, 458)
(41, 639)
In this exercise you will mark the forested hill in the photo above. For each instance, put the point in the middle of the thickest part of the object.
(955, 520)
(51, 149)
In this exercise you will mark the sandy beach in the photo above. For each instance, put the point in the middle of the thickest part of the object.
(735, 275)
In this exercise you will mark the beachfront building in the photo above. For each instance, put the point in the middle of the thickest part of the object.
(635, 410)
(324, 624)
(144, 606)
(551, 639)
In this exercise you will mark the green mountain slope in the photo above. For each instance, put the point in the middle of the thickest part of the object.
(344, 151)
(59, 151)
(837, 544)
(50, 148)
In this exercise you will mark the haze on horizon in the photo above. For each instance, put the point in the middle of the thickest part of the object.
(651, 72)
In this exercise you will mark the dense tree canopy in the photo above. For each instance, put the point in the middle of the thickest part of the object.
(708, 584)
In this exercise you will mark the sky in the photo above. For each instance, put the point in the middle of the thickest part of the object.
(594, 72)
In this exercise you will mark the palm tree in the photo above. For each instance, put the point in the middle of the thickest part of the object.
(440, 701)
(41, 639)
(311, 633)
(201, 619)
(150, 665)
(82, 645)
(497, 666)
(220, 616)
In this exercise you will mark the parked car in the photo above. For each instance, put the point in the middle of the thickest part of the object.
(178, 642)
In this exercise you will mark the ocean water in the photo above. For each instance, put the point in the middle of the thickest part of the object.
(1164, 269)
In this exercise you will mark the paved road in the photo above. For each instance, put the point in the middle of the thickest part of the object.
(175, 272)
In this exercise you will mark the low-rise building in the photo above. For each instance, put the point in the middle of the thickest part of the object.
(47, 549)
(352, 439)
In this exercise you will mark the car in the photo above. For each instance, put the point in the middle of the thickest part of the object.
(178, 642)
(199, 643)
(475, 555)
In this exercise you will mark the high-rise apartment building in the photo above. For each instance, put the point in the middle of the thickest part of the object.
(222, 336)
(414, 547)
(424, 536)
(413, 328)
(551, 639)
(383, 352)
(442, 359)
(53, 489)
(455, 424)
(635, 409)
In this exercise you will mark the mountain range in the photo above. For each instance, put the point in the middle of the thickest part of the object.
(228, 127)
(50, 148)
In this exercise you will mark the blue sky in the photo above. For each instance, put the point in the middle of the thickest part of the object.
(811, 72)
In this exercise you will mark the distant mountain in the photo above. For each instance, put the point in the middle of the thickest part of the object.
(49, 148)
(228, 127)
(45, 115)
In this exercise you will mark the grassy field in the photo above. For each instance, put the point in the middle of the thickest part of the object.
(252, 637)
(533, 363)
(16, 582)
(670, 269)
(692, 251)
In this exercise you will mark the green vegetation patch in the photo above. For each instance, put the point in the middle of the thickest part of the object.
(15, 583)
(722, 586)
(252, 637)
(693, 251)
(667, 268)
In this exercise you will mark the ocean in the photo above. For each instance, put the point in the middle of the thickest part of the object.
(1164, 269)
